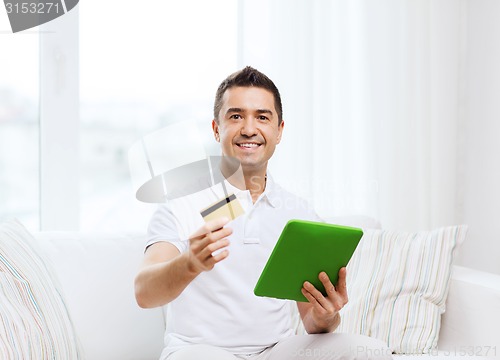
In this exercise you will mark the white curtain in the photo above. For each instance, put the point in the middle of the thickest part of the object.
(372, 103)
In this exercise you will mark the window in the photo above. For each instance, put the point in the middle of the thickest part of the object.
(145, 69)
(76, 97)
(19, 125)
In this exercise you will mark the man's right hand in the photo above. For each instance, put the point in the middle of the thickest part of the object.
(205, 243)
(165, 272)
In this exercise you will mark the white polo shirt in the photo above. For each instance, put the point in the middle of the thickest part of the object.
(219, 307)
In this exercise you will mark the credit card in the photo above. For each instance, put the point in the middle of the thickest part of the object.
(229, 207)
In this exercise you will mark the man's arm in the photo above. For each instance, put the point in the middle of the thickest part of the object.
(165, 272)
(321, 314)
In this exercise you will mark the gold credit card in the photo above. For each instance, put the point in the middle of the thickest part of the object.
(228, 206)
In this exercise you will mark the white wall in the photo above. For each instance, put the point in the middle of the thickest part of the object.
(425, 103)
(480, 148)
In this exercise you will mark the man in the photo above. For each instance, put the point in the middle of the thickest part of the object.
(206, 272)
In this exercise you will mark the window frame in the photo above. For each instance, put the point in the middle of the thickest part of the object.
(59, 122)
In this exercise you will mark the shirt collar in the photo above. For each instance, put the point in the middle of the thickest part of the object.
(219, 191)
(270, 192)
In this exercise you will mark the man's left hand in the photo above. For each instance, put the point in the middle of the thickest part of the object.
(323, 313)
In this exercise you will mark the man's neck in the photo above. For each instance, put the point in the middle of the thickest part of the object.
(255, 183)
(253, 180)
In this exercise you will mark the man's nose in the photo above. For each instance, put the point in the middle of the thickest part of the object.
(249, 127)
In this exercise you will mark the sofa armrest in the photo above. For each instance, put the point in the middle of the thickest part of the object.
(472, 315)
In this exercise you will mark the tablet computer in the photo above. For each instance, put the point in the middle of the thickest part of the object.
(304, 249)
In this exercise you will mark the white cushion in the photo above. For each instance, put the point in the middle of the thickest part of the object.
(97, 272)
(34, 322)
(397, 284)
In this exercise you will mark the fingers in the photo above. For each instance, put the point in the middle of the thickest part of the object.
(211, 232)
(315, 296)
(207, 243)
(209, 227)
(342, 284)
(220, 256)
(212, 247)
(340, 288)
(311, 293)
(325, 280)
(336, 296)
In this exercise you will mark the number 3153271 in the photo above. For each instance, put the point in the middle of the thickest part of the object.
(32, 8)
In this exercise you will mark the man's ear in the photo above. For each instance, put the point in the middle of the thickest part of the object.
(215, 129)
(281, 126)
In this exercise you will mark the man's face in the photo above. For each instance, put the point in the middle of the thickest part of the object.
(247, 127)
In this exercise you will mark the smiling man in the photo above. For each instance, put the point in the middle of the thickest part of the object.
(248, 124)
(204, 273)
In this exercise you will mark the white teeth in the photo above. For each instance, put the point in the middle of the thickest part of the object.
(248, 145)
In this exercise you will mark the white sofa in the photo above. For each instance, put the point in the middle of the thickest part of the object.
(96, 272)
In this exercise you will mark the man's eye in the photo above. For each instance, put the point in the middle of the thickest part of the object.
(264, 118)
(235, 117)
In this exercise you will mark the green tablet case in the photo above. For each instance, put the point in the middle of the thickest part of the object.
(303, 250)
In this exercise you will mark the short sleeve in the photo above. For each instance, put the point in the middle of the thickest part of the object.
(305, 211)
(164, 226)
(310, 214)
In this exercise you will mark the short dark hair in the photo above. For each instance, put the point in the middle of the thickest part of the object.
(248, 77)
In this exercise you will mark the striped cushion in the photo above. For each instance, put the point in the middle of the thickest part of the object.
(34, 322)
(397, 284)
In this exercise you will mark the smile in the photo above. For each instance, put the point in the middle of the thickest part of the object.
(248, 145)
